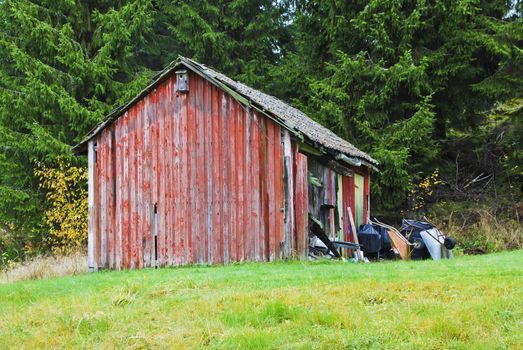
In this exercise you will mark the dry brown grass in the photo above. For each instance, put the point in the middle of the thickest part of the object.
(45, 267)
(480, 230)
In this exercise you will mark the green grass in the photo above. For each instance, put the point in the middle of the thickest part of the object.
(465, 303)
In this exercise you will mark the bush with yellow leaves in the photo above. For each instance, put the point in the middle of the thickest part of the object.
(66, 216)
(423, 190)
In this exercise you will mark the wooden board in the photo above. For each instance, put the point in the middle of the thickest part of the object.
(400, 243)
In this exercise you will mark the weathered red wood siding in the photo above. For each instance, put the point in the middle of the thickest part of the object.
(211, 167)
(349, 198)
(301, 204)
(348, 201)
(328, 192)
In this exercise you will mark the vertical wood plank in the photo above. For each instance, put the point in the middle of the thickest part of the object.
(154, 174)
(147, 178)
(97, 206)
(125, 193)
(289, 198)
(332, 200)
(177, 254)
(256, 187)
(278, 191)
(366, 193)
(253, 229)
(238, 135)
(140, 205)
(225, 178)
(118, 193)
(208, 139)
(132, 188)
(199, 160)
(264, 198)
(241, 184)
(271, 200)
(168, 97)
(249, 233)
(191, 176)
(231, 183)
(102, 200)
(91, 231)
(162, 175)
(184, 191)
(111, 199)
(302, 203)
(217, 256)
(108, 187)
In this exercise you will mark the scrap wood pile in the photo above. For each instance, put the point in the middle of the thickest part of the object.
(414, 240)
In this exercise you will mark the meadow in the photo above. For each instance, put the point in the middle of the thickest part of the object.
(471, 302)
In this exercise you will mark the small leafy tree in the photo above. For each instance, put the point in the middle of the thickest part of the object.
(66, 217)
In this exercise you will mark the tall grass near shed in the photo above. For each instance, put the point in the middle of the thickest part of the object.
(479, 229)
(44, 267)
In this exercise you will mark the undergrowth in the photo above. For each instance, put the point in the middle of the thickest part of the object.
(477, 228)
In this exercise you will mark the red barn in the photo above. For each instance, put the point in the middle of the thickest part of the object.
(199, 168)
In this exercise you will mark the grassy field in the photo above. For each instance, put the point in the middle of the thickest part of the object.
(465, 303)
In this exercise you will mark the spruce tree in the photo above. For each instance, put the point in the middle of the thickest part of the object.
(66, 64)
(63, 65)
(399, 78)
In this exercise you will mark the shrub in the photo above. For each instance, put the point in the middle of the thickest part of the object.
(66, 193)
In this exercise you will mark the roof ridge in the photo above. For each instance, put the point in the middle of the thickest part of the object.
(289, 116)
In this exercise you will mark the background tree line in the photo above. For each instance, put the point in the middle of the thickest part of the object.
(432, 89)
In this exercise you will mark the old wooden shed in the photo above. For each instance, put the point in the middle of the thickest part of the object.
(199, 168)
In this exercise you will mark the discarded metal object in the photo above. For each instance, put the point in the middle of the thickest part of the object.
(402, 245)
(346, 245)
(316, 229)
(431, 241)
(434, 241)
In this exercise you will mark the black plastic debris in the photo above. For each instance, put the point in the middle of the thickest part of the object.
(370, 240)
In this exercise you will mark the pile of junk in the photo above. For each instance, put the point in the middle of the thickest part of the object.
(414, 240)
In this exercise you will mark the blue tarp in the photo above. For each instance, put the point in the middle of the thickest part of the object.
(367, 228)
(414, 225)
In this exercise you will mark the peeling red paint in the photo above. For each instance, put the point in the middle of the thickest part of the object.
(214, 169)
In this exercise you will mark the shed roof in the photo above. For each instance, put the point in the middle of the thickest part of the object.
(289, 117)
